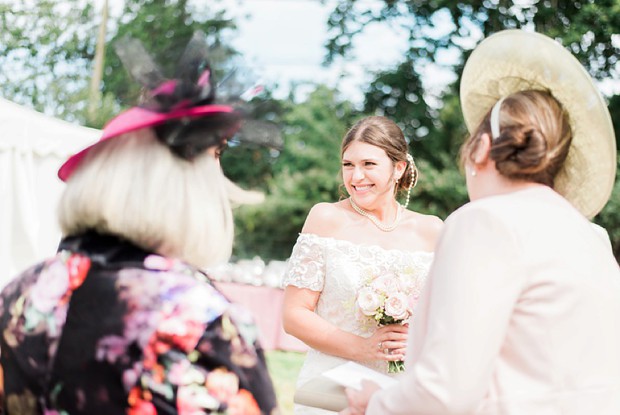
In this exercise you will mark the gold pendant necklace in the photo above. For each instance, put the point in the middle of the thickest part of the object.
(374, 219)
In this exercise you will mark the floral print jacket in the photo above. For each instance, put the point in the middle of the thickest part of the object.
(107, 328)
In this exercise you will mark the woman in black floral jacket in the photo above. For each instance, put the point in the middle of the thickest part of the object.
(122, 320)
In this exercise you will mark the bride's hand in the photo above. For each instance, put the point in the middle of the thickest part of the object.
(387, 343)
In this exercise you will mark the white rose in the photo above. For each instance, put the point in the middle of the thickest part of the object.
(397, 306)
(368, 301)
(387, 283)
(407, 282)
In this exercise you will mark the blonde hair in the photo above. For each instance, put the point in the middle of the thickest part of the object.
(534, 139)
(133, 186)
(386, 134)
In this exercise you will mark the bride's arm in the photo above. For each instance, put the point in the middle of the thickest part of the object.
(301, 321)
(304, 282)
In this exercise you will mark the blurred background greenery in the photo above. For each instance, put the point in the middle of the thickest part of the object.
(47, 52)
(283, 368)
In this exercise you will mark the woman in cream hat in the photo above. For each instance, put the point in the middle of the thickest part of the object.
(521, 314)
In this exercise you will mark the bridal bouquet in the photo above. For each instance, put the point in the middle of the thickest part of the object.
(387, 298)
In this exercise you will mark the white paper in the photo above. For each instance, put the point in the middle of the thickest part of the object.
(351, 374)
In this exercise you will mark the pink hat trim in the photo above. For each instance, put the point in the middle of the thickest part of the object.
(135, 119)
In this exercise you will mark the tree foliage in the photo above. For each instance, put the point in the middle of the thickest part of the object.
(47, 49)
(45, 53)
(165, 27)
(588, 29)
(585, 27)
(306, 172)
(252, 166)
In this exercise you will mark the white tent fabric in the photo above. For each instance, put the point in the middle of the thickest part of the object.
(32, 148)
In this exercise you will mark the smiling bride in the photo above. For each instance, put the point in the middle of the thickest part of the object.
(356, 253)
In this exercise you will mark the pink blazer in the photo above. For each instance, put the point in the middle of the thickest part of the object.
(521, 315)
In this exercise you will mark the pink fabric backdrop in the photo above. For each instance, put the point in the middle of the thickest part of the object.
(266, 305)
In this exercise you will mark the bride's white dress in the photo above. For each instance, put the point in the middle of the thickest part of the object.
(338, 269)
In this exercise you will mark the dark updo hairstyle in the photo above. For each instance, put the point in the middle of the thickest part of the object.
(534, 139)
(385, 134)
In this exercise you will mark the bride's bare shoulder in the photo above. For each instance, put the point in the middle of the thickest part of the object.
(324, 219)
(428, 227)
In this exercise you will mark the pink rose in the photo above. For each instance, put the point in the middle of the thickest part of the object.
(243, 404)
(194, 399)
(368, 301)
(177, 372)
(159, 263)
(397, 306)
(408, 282)
(387, 283)
(142, 408)
(130, 377)
(222, 384)
(182, 332)
(77, 266)
(138, 405)
(51, 286)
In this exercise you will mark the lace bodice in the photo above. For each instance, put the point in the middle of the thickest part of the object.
(338, 269)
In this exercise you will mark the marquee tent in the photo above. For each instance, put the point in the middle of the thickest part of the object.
(32, 148)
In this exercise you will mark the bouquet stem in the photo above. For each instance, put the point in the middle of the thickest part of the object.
(396, 367)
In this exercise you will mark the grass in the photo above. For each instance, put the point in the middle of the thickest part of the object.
(284, 368)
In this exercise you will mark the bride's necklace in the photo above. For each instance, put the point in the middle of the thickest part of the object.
(374, 219)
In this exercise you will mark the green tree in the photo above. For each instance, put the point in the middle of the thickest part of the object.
(441, 187)
(586, 28)
(47, 50)
(165, 27)
(306, 172)
(248, 165)
(398, 93)
(609, 217)
(46, 53)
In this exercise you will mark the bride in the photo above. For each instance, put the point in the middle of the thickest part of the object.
(344, 244)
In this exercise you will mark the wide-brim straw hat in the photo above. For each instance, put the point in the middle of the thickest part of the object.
(515, 60)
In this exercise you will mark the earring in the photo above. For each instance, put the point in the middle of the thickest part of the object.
(473, 172)
(414, 178)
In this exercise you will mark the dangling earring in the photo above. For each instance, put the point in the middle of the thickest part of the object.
(414, 178)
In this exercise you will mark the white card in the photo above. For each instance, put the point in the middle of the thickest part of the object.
(351, 374)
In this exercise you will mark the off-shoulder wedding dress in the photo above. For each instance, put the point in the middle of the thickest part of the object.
(338, 269)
